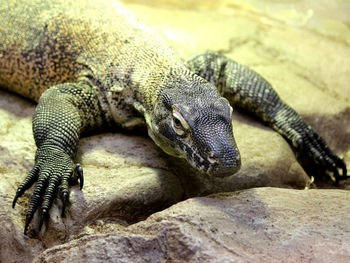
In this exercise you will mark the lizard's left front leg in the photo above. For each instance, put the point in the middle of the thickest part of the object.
(63, 113)
(248, 90)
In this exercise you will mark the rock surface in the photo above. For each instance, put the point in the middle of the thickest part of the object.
(127, 178)
(255, 225)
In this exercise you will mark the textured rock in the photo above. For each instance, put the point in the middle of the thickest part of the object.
(127, 178)
(256, 225)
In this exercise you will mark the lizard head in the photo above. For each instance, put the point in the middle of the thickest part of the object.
(198, 129)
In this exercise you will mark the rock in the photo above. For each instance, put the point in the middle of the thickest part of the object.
(127, 178)
(255, 225)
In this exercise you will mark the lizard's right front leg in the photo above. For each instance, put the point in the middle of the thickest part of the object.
(63, 113)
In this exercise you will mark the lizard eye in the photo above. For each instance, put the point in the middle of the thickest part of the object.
(178, 123)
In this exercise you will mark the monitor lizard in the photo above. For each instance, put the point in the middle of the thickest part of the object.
(91, 66)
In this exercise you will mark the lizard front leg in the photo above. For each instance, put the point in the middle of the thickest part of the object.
(63, 113)
(249, 91)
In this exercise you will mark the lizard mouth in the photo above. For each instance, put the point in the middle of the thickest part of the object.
(223, 172)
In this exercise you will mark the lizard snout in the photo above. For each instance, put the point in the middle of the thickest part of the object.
(225, 164)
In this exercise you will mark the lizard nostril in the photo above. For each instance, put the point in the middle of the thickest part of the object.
(212, 158)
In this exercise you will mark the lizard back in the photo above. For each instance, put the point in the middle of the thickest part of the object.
(45, 43)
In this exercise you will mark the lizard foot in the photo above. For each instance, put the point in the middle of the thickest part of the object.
(317, 158)
(52, 172)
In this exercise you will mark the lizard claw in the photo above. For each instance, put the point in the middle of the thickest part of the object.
(44, 216)
(27, 183)
(64, 198)
(334, 165)
(80, 175)
(64, 187)
(28, 220)
(19, 193)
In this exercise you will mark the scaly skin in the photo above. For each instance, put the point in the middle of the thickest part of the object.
(91, 65)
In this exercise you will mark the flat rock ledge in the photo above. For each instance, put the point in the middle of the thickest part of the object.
(255, 225)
